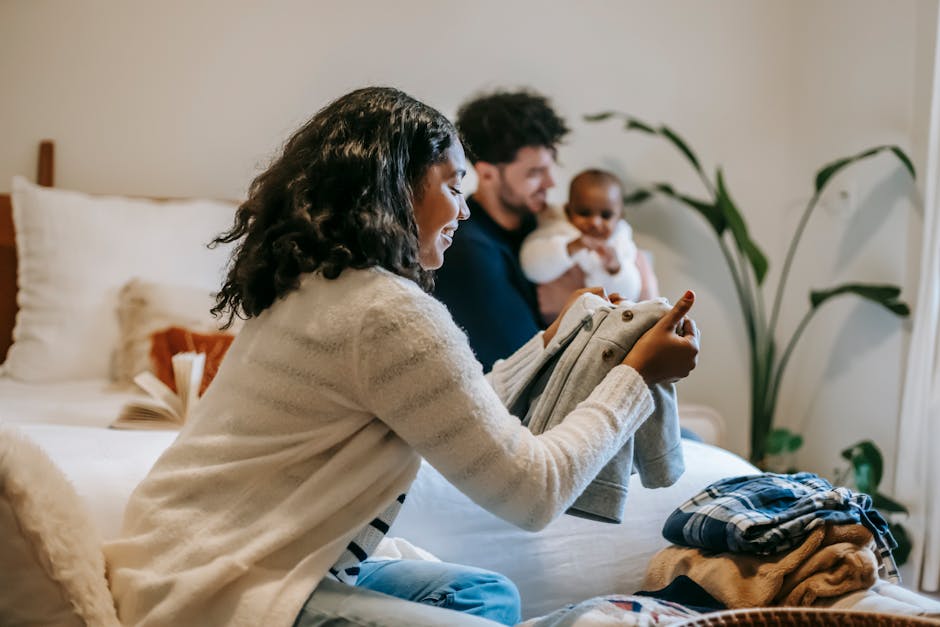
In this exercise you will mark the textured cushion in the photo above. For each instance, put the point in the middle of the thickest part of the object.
(169, 342)
(75, 252)
(147, 307)
(51, 566)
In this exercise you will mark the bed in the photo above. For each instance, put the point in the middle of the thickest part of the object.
(59, 392)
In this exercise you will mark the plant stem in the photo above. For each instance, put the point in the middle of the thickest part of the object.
(739, 288)
(797, 235)
(760, 316)
(775, 388)
(708, 184)
(769, 398)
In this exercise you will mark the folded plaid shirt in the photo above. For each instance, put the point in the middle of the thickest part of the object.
(772, 513)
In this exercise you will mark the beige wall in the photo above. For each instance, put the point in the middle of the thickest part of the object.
(864, 78)
(191, 98)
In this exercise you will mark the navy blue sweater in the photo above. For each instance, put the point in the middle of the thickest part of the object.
(483, 286)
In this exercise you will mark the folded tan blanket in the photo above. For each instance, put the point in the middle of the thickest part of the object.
(834, 560)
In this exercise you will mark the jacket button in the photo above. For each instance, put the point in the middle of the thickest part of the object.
(607, 354)
(627, 316)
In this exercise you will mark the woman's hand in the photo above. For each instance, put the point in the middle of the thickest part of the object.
(552, 329)
(669, 350)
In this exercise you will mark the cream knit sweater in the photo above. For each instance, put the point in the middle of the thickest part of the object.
(314, 425)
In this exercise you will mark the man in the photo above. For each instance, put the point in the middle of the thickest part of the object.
(511, 139)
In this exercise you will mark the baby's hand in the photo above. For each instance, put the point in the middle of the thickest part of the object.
(606, 252)
(591, 243)
(609, 258)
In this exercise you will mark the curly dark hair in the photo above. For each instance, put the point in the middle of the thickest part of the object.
(339, 196)
(495, 126)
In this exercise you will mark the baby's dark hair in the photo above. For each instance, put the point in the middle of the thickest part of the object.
(495, 126)
(340, 195)
(594, 176)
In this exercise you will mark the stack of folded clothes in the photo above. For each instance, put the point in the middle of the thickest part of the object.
(770, 540)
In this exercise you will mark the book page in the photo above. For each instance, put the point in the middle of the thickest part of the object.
(159, 412)
(161, 392)
(187, 373)
(145, 414)
(165, 409)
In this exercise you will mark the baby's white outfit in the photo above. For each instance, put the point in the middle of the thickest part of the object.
(544, 257)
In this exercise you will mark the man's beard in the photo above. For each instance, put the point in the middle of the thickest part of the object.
(512, 202)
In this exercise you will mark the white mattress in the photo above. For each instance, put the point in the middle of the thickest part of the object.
(91, 403)
(69, 421)
(104, 465)
(571, 560)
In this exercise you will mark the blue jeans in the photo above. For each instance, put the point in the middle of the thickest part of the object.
(415, 593)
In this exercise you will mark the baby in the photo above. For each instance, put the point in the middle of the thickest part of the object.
(592, 243)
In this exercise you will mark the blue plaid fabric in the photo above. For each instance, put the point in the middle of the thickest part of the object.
(772, 513)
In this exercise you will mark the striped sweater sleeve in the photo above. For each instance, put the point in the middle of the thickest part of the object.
(510, 374)
(417, 373)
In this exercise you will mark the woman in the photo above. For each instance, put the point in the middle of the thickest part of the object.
(347, 373)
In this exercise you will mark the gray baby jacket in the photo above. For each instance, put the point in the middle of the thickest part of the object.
(593, 337)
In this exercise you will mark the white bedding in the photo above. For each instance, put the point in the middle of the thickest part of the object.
(571, 560)
(89, 403)
(104, 465)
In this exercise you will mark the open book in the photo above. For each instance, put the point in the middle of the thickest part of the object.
(165, 409)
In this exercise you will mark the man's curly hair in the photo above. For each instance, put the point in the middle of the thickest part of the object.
(495, 126)
(340, 195)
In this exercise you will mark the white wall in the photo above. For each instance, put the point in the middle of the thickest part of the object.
(191, 98)
(864, 71)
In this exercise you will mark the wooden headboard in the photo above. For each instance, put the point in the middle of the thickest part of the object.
(45, 175)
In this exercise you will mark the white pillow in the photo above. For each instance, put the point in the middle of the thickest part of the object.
(76, 251)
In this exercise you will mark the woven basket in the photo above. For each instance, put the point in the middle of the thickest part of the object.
(805, 617)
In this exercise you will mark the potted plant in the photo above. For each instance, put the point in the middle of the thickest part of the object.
(748, 266)
(864, 472)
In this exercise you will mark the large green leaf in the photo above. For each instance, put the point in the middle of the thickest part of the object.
(900, 154)
(679, 143)
(829, 170)
(782, 440)
(884, 295)
(599, 117)
(640, 195)
(739, 230)
(886, 504)
(867, 465)
(632, 124)
(708, 210)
